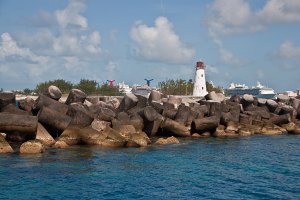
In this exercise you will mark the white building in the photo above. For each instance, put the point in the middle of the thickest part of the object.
(200, 82)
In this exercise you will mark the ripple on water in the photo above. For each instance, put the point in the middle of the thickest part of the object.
(259, 167)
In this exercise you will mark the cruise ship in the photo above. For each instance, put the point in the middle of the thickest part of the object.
(259, 90)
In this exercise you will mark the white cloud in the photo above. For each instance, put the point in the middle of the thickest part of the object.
(60, 43)
(160, 43)
(288, 50)
(10, 51)
(71, 16)
(276, 11)
(235, 16)
(229, 17)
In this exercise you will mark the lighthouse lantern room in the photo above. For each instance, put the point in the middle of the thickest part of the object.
(200, 82)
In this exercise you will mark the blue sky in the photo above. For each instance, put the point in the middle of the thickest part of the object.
(241, 41)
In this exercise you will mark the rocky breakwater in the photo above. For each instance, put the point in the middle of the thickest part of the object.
(137, 121)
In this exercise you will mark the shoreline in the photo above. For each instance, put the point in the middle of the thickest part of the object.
(59, 121)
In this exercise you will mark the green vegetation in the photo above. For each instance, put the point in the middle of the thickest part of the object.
(90, 87)
(183, 87)
(64, 86)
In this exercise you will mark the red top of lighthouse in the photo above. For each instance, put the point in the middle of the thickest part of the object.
(200, 65)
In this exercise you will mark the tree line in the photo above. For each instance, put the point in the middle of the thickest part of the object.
(91, 87)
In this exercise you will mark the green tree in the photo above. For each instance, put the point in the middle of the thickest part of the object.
(106, 90)
(87, 86)
(27, 91)
(64, 86)
(183, 87)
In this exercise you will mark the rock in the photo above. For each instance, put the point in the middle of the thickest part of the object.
(232, 126)
(75, 96)
(235, 98)
(113, 138)
(56, 121)
(100, 125)
(183, 114)
(60, 145)
(154, 96)
(44, 101)
(271, 129)
(105, 114)
(129, 101)
(11, 108)
(71, 136)
(81, 117)
(170, 113)
(280, 119)
(221, 132)
(261, 102)
(176, 128)
(247, 100)
(44, 136)
(196, 135)
(137, 121)
(205, 124)
(138, 140)
(53, 92)
(4, 146)
(150, 114)
(174, 100)
(91, 136)
(272, 105)
(7, 98)
(283, 98)
(32, 147)
(26, 104)
(20, 124)
(169, 140)
(218, 97)
(159, 107)
(244, 132)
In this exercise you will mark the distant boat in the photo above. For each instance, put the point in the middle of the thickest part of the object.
(142, 90)
(258, 91)
(124, 89)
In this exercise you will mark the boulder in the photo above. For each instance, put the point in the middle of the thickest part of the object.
(283, 98)
(11, 108)
(4, 146)
(7, 98)
(138, 140)
(71, 136)
(137, 121)
(272, 105)
(53, 92)
(218, 97)
(75, 96)
(43, 135)
(175, 128)
(26, 104)
(272, 129)
(32, 147)
(44, 101)
(60, 145)
(24, 125)
(81, 117)
(205, 124)
(100, 125)
(169, 140)
(55, 121)
(129, 101)
(155, 96)
(183, 114)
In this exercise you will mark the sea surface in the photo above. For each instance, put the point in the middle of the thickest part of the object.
(256, 167)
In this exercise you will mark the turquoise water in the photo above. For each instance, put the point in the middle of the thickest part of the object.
(257, 167)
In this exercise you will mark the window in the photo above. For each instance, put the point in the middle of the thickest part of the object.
(202, 88)
(201, 75)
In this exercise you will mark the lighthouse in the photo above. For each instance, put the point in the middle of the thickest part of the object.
(199, 82)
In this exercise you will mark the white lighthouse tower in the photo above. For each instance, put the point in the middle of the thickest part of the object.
(200, 83)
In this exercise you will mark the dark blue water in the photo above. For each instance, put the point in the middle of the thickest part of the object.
(258, 167)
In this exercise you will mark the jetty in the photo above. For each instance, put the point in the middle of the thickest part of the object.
(133, 120)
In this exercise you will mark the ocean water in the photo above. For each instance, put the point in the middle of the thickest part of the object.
(257, 167)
